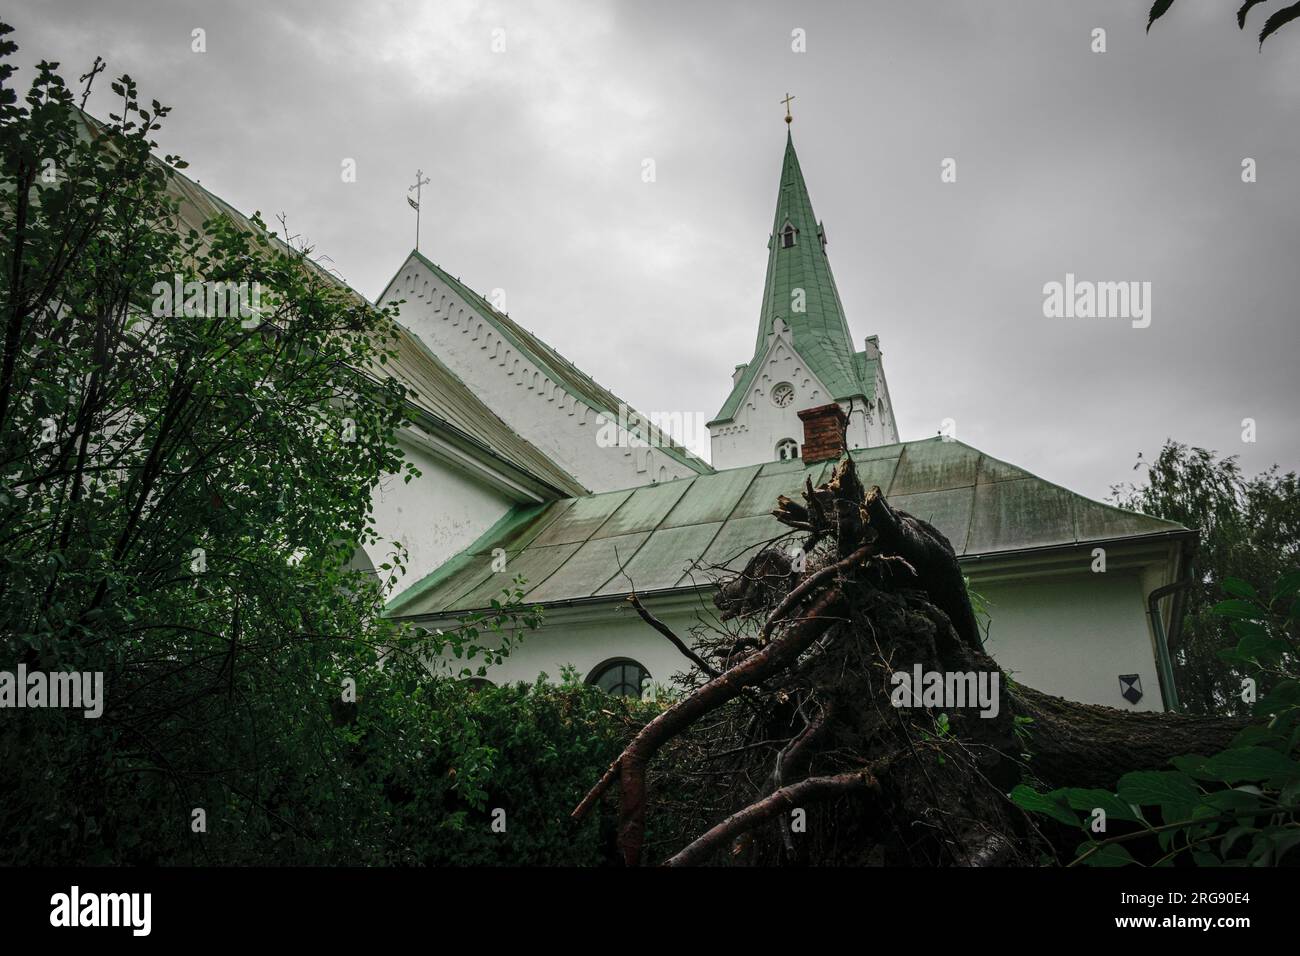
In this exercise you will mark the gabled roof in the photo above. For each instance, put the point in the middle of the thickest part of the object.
(442, 399)
(672, 535)
(560, 370)
(820, 332)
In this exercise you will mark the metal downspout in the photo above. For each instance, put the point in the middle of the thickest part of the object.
(1167, 689)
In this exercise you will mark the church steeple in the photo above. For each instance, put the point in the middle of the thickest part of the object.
(801, 301)
(800, 289)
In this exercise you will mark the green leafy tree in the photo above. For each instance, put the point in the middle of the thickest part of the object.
(1249, 531)
(180, 490)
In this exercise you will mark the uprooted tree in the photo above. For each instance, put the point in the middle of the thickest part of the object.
(792, 721)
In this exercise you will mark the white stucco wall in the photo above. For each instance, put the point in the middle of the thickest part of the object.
(559, 424)
(1074, 636)
(1068, 636)
(588, 643)
(435, 516)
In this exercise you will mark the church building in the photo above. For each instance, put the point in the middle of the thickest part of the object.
(517, 483)
(519, 479)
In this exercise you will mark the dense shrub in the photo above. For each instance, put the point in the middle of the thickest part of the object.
(489, 776)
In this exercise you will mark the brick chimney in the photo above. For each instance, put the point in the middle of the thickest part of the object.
(823, 432)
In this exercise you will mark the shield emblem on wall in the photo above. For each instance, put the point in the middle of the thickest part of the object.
(1130, 687)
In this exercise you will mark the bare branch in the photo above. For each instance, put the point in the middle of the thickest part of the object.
(667, 632)
(814, 788)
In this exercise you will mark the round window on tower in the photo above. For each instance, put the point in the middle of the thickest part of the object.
(782, 394)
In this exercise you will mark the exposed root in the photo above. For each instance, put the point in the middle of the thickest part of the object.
(824, 731)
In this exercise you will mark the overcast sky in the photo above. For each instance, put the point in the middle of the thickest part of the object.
(1115, 166)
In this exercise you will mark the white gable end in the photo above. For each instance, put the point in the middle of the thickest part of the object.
(562, 425)
(769, 414)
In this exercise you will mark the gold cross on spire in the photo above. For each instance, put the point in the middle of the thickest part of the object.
(788, 118)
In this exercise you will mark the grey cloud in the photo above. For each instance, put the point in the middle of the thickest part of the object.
(1115, 166)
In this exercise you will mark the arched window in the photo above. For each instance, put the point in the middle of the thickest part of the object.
(360, 561)
(786, 449)
(787, 236)
(620, 676)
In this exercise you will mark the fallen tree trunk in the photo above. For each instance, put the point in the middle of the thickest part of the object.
(829, 722)
(1086, 745)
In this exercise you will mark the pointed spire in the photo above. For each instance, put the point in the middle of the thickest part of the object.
(799, 290)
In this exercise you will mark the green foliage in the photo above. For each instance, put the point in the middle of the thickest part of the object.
(1237, 807)
(1249, 531)
(1276, 20)
(942, 730)
(434, 777)
(982, 608)
(485, 638)
(180, 494)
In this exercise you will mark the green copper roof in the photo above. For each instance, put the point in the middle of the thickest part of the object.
(682, 533)
(819, 331)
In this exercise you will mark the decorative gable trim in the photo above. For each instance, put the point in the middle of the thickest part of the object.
(446, 310)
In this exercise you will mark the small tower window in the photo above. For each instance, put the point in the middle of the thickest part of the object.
(787, 236)
(787, 449)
